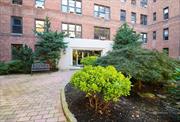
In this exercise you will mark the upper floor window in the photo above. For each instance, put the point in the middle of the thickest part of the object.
(144, 37)
(154, 35)
(17, 25)
(123, 1)
(143, 19)
(39, 3)
(39, 25)
(133, 17)
(133, 2)
(166, 34)
(19, 2)
(154, 16)
(72, 30)
(123, 15)
(144, 3)
(101, 33)
(72, 6)
(102, 12)
(166, 13)
(154, 1)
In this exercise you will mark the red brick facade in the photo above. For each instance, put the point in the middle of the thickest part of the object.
(52, 9)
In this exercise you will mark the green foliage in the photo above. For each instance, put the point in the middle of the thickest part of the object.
(25, 55)
(176, 75)
(125, 36)
(105, 82)
(49, 45)
(141, 64)
(3, 68)
(90, 60)
(14, 66)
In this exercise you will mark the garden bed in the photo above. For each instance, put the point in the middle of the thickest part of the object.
(129, 109)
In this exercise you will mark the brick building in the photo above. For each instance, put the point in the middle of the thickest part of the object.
(158, 21)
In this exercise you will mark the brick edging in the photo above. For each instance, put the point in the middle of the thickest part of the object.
(69, 116)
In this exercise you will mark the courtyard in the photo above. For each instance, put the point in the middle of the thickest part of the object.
(32, 98)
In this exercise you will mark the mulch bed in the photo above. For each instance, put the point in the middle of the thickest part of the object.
(129, 109)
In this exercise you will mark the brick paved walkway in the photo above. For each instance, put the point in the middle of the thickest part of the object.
(32, 98)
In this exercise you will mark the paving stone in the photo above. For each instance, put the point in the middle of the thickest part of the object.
(30, 98)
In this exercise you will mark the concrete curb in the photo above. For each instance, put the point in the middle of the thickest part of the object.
(69, 116)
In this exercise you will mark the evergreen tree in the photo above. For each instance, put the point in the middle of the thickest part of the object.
(50, 45)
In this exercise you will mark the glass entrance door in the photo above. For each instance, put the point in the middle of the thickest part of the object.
(79, 54)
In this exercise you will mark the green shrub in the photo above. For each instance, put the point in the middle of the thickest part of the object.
(145, 66)
(90, 60)
(15, 66)
(25, 55)
(3, 68)
(101, 82)
(50, 45)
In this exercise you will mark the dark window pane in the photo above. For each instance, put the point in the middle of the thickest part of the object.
(17, 2)
(16, 25)
(101, 33)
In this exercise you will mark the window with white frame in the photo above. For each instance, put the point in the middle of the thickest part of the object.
(39, 25)
(72, 6)
(144, 37)
(133, 17)
(166, 13)
(72, 30)
(102, 12)
(123, 15)
(39, 3)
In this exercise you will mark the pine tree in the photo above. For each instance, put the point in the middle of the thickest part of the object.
(50, 45)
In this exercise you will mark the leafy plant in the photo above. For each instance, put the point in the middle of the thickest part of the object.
(25, 55)
(145, 66)
(15, 66)
(50, 45)
(90, 60)
(3, 68)
(102, 85)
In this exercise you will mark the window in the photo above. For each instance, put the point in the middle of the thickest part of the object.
(166, 34)
(39, 3)
(154, 16)
(154, 35)
(143, 19)
(17, 25)
(166, 51)
(123, 1)
(133, 2)
(144, 37)
(166, 13)
(154, 1)
(73, 30)
(72, 6)
(143, 3)
(102, 12)
(101, 33)
(15, 47)
(19, 2)
(123, 15)
(39, 25)
(133, 17)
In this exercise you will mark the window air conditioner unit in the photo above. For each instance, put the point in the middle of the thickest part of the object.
(103, 38)
(39, 6)
(70, 11)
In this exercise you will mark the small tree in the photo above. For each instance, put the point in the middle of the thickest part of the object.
(50, 45)
(145, 66)
(102, 85)
(125, 36)
(25, 55)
